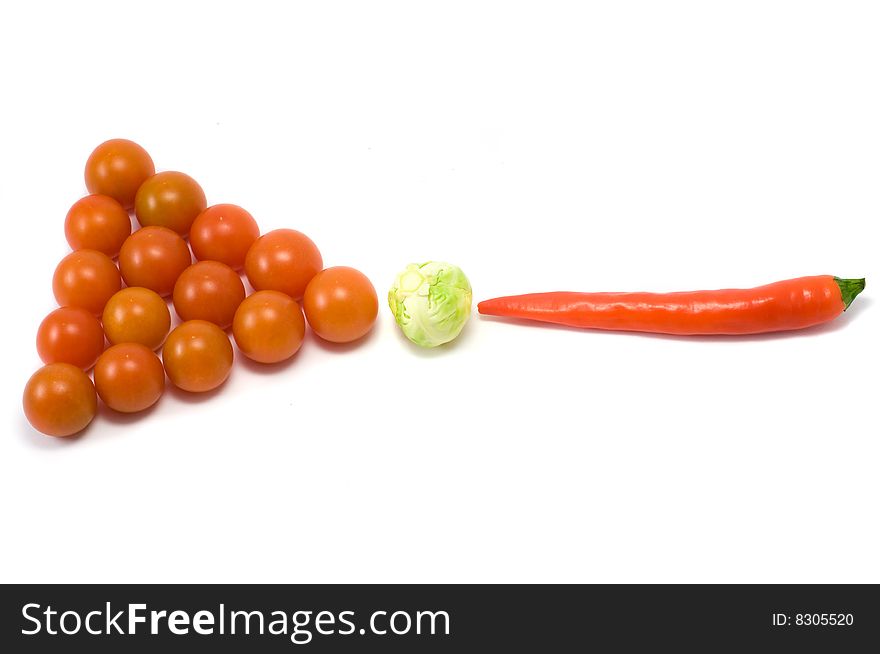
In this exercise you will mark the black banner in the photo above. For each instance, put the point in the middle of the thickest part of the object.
(444, 618)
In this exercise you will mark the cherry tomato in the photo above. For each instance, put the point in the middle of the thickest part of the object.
(70, 335)
(208, 290)
(59, 400)
(97, 222)
(197, 356)
(283, 260)
(129, 377)
(223, 233)
(137, 315)
(340, 304)
(268, 327)
(117, 168)
(169, 199)
(154, 257)
(87, 279)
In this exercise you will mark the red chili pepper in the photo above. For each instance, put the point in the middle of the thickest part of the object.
(791, 304)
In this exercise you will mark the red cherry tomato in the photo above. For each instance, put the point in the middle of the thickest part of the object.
(70, 335)
(154, 257)
(208, 290)
(129, 377)
(97, 222)
(268, 327)
(340, 304)
(169, 199)
(197, 356)
(137, 315)
(87, 279)
(223, 233)
(59, 400)
(283, 260)
(117, 168)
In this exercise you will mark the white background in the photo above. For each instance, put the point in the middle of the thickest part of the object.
(540, 146)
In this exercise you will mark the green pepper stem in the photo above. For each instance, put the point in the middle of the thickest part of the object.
(849, 288)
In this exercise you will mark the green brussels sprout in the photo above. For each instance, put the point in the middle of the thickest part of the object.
(431, 302)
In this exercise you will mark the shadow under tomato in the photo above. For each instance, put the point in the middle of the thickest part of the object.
(188, 397)
(265, 368)
(341, 348)
(106, 414)
(43, 442)
(832, 326)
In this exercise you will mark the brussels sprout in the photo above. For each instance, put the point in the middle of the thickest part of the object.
(431, 302)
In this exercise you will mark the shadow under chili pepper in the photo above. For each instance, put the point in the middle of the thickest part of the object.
(832, 326)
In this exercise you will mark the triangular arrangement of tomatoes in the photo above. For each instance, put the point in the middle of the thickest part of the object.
(115, 286)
